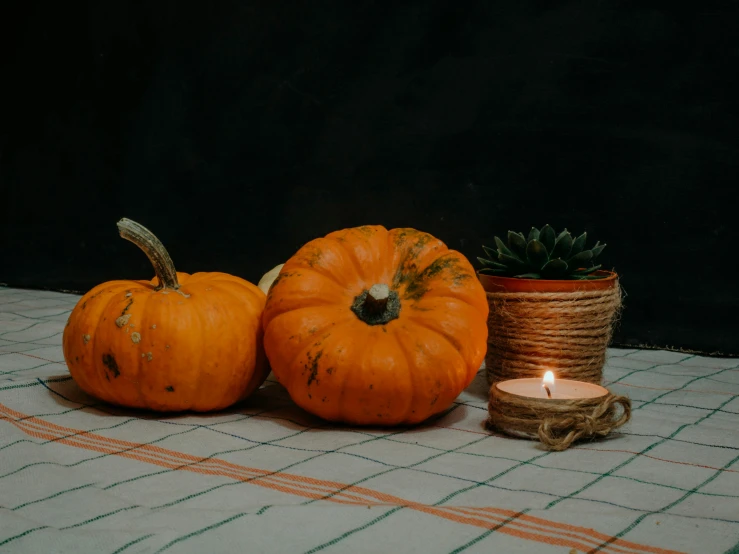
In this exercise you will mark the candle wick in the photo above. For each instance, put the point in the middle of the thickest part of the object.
(549, 393)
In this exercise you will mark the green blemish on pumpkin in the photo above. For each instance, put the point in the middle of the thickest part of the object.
(367, 231)
(313, 257)
(416, 283)
(404, 235)
(312, 366)
(280, 277)
(170, 388)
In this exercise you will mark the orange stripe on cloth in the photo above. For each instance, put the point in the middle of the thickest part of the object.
(660, 459)
(520, 525)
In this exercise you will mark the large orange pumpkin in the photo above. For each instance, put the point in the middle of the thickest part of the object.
(375, 327)
(178, 342)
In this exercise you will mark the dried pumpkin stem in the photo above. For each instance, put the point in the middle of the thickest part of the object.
(376, 300)
(154, 250)
(377, 306)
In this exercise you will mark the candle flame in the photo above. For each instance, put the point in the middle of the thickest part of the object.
(549, 378)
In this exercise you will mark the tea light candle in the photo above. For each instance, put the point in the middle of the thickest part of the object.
(557, 412)
(561, 389)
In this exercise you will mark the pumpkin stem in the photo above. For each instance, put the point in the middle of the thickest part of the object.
(377, 306)
(376, 299)
(154, 250)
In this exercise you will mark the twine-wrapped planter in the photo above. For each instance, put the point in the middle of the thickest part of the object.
(537, 325)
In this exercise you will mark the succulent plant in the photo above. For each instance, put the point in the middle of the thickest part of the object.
(542, 255)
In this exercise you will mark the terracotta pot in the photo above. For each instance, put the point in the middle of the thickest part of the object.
(494, 283)
(537, 325)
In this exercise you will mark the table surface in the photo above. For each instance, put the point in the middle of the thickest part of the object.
(80, 476)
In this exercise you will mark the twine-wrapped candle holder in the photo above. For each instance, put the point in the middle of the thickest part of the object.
(536, 325)
(556, 422)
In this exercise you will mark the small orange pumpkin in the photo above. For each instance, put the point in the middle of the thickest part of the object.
(178, 342)
(375, 327)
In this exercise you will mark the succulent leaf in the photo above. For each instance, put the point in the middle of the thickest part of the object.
(578, 260)
(578, 244)
(490, 263)
(562, 246)
(491, 252)
(503, 249)
(533, 234)
(547, 237)
(597, 249)
(517, 244)
(554, 268)
(528, 276)
(512, 263)
(536, 254)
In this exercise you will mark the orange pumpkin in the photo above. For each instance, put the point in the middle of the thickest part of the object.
(375, 327)
(178, 342)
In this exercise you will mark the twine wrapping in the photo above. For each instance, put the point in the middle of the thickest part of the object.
(567, 332)
(556, 423)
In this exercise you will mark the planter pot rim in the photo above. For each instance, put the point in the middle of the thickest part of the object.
(495, 283)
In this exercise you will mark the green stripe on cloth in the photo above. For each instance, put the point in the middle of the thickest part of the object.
(367, 525)
(132, 543)
(200, 532)
(488, 532)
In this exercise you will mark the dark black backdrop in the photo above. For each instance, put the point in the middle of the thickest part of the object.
(239, 130)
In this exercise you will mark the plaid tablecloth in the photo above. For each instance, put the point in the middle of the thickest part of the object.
(80, 476)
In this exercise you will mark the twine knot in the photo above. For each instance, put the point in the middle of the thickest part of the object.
(559, 434)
